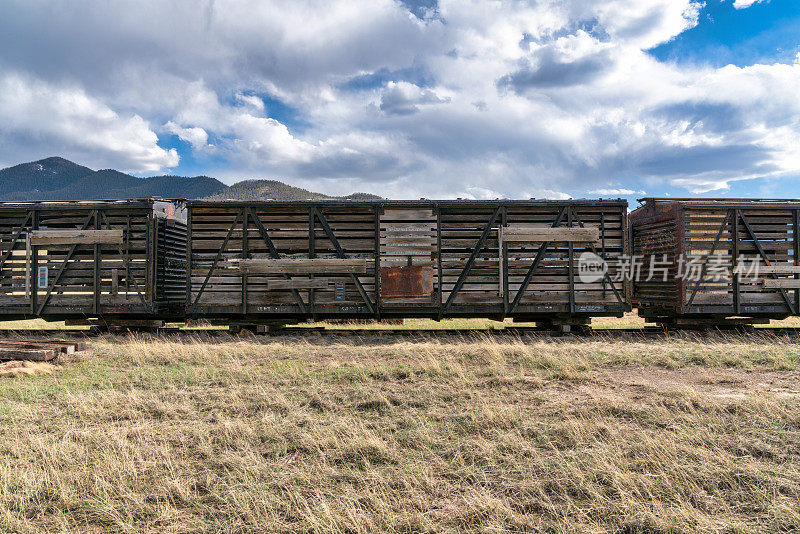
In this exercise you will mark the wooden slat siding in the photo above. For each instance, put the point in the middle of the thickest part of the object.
(218, 255)
(32, 257)
(521, 233)
(534, 265)
(291, 233)
(137, 267)
(781, 284)
(796, 252)
(264, 236)
(149, 280)
(62, 266)
(171, 259)
(477, 247)
(341, 253)
(676, 227)
(779, 269)
(378, 211)
(245, 255)
(312, 254)
(125, 258)
(97, 255)
(96, 265)
(766, 258)
(554, 264)
(300, 283)
(15, 236)
(571, 260)
(187, 297)
(618, 294)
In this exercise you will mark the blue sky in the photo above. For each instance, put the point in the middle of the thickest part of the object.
(766, 32)
(441, 99)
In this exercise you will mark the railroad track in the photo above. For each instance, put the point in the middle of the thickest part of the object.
(600, 333)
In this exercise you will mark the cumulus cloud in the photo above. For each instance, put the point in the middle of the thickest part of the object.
(197, 137)
(548, 70)
(38, 119)
(406, 99)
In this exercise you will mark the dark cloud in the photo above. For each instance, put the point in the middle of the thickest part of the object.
(376, 167)
(549, 70)
(711, 117)
(416, 74)
(672, 161)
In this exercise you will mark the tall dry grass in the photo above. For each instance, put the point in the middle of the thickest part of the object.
(432, 434)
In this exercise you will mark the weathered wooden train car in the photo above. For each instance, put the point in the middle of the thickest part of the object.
(119, 259)
(262, 261)
(704, 260)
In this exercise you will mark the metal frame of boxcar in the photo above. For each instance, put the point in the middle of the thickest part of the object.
(149, 286)
(443, 302)
(671, 304)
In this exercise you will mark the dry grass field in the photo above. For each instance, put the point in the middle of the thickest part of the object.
(439, 433)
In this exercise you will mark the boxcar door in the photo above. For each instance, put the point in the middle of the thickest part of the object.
(407, 253)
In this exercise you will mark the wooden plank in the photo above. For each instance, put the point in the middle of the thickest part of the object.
(75, 237)
(781, 283)
(408, 215)
(304, 265)
(114, 282)
(778, 269)
(300, 283)
(528, 234)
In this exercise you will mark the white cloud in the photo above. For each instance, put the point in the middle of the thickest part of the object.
(403, 98)
(197, 137)
(741, 4)
(38, 119)
(611, 192)
(482, 193)
(251, 100)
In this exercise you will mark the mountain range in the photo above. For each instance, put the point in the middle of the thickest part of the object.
(56, 178)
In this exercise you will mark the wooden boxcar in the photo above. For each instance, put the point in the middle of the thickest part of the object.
(382, 259)
(74, 259)
(716, 258)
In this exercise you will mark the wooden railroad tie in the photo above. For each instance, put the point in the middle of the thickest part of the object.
(38, 350)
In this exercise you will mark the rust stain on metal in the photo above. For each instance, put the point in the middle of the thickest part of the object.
(407, 281)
